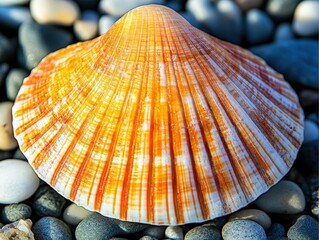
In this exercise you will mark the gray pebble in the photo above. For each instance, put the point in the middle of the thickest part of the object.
(311, 131)
(13, 16)
(155, 231)
(283, 32)
(37, 41)
(14, 81)
(315, 203)
(281, 10)
(255, 215)
(50, 228)
(259, 26)
(174, 232)
(296, 59)
(47, 202)
(6, 49)
(204, 233)
(148, 238)
(3, 71)
(243, 230)
(14, 212)
(129, 227)
(276, 231)
(305, 228)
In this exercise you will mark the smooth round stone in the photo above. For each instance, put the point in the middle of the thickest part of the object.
(86, 27)
(155, 231)
(315, 203)
(14, 2)
(203, 232)
(259, 26)
(47, 202)
(14, 212)
(37, 41)
(296, 59)
(74, 214)
(105, 23)
(285, 197)
(97, 227)
(51, 228)
(113, 7)
(249, 4)
(59, 12)
(18, 181)
(282, 9)
(311, 131)
(6, 48)
(174, 232)
(7, 140)
(275, 232)
(305, 228)
(14, 81)
(283, 32)
(255, 215)
(306, 18)
(13, 16)
(243, 230)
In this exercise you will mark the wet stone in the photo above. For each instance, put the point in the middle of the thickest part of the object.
(15, 212)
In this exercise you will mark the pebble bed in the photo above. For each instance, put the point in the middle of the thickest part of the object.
(284, 33)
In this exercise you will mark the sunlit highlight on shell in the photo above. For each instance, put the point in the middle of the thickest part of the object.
(158, 122)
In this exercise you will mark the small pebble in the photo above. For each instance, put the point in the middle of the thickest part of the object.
(243, 230)
(255, 215)
(203, 232)
(311, 131)
(148, 238)
(14, 16)
(112, 7)
(259, 26)
(275, 232)
(47, 202)
(306, 18)
(59, 12)
(283, 32)
(7, 140)
(51, 228)
(14, 81)
(129, 227)
(86, 27)
(285, 197)
(305, 228)
(155, 231)
(18, 181)
(174, 232)
(315, 203)
(105, 23)
(19, 230)
(281, 10)
(15, 212)
(4, 67)
(249, 4)
(6, 48)
(74, 214)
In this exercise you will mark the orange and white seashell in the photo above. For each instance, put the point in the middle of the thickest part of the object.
(158, 122)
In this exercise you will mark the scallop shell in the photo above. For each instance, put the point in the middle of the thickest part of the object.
(158, 122)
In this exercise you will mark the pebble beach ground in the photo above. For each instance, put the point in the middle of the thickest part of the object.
(284, 33)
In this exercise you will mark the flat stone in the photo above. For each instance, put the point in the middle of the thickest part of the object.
(74, 214)
(203, 232)
(174, 232)
(305, 228)
(51, 228)
(306, 18)
(255, 215)
(243, 230)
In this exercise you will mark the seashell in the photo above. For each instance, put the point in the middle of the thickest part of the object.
(158, 122)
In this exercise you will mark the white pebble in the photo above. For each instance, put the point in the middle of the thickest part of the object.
(54, 11)
(7, 140)
(306, 18)
(311, 131)
(86, 27)
(174, 232)
(18, 181)
(255, 215)
(74, 214)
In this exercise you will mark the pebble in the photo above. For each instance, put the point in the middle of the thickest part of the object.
(155, 231)
(37, 41)
(14, 16)
(58, 12)
(19, 230)
(47, 202)
(305, 228)
(243, 230)
(6, 48)
(314, 117)
(112, 7)
(3, 71)
(15, 212)
(296, 59)
(105, 23)
(315, 203)
(275, 232)
(86, 27)
(18, 181)
(14, 2)
(51, 228)
(74, 214)
(284, 32)
(7, 140)
(129, 227)
(306, 18)
(217, 222)
(311, 131)
(148, 238)
(203, 232)
(174, 232)
(255, 215)
(14, 81)
(285, 197)
(281, 10)
(259, 26)
(249, 4)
